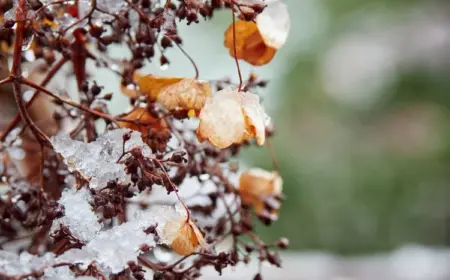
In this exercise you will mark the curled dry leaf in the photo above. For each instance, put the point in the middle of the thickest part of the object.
(141, 120)
(256, 185)
(188, 94)
(149, 85)
(183, 236)
(231, 117)
(257, 43)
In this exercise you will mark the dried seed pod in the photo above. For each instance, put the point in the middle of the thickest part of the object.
(184, 236)
(250, 45)
(231, 117)
(255, 185)
(149, 85)
(188, 94)
(257, 43)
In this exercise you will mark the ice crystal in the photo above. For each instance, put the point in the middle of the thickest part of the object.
(78, 215)
(97, 161)
(13, 264)
(112, 249)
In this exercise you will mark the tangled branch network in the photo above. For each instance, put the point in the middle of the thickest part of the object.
(154, 192)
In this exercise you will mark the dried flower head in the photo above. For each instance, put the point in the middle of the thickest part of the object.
(148, 85)
(257, 42)
(188, 94)
(256, 185)
(231, 117)
(183, 236)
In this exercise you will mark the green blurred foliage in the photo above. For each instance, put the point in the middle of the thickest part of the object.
(369, 178)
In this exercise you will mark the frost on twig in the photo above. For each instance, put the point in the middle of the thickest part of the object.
(13, 264)
(63, 273)
(97, 161)
(112, 249)
(78, 215)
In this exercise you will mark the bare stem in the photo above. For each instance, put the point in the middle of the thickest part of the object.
(234, 48)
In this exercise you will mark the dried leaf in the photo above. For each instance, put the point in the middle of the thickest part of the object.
(255, 116)
(149, 85)
(257, 43)
(188, 94)
(255, 185)
(231, 117)
(244, 29)
(141, 120)
(184, 236)
(250, 45)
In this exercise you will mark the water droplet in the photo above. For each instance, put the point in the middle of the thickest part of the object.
(115, 67)
(27, 41)
(164, 67)
(29, 55)
(27, 95)
(162, 254)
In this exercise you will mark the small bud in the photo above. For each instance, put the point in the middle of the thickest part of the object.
(108, 96)
(6, 5)
(163, 60)
(166, 42)
(274, 259)
(178, 157)
(96, 31)
(95, 89)
(283, 243)
(257, 277)
(248, 248)
(9, 23)
(126, 136)
(35, 4)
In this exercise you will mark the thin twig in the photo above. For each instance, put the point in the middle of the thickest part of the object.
(51, 73)
(190, 59)
(234, 48)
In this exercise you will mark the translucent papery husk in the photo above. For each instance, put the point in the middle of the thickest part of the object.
(255, 185)
(231, 117)
(185, 236)
(148, 85)
(250, 45)
(188, 94)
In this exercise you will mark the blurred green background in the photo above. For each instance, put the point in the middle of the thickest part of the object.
(362, 126)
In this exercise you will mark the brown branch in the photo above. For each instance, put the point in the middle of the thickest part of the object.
(51, 73)
(234, 48)
(88, 15)
(70, 102)
(16, 71)
(190, 59)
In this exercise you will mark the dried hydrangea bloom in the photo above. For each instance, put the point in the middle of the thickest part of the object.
(184, 236)
(257, 43)
(177, 230)
(188, 94)
(149, 85)
(256, 185)
(250, 45)
(231, 117)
